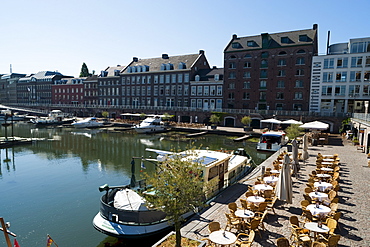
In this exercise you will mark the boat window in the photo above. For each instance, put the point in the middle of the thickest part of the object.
(213, 172)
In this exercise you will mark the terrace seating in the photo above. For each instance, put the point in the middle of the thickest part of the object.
(283, 242)
(214, 226)
(247, 240)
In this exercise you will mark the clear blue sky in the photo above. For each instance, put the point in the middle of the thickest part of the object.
(39, 35)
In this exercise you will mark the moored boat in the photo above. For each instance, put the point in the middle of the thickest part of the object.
(90, 122)
(55, 117)
(152, 124)
(124, 213)
(272, 141)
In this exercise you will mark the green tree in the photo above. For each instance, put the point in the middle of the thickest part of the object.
(179, 188)
(214, 119)
(105, 114)
(246, 120)
(293, 131)
(84, 71)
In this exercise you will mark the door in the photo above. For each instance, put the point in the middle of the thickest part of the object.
(221, 175)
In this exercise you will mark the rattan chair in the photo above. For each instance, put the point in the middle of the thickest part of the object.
(331, 241)
(254, 226)
(214, 226)
(245, 240)
(283, 242)
(233, 222)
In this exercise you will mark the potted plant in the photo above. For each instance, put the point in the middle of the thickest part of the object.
(246, 120)
(214, 119)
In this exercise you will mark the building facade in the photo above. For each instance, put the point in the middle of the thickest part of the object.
(91, 97)
(162, 81)
(68, 91)
(109, 86)
(8, 85)
(340, 79)
(269, 71)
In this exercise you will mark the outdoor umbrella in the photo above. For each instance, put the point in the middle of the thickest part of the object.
(284, 188)
(272, 121)
(295, 157)
(315, 125)
(291, 121)
(305, 148)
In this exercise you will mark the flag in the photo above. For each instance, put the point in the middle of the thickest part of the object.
(142, 165)
(16, 243)
(49, 241)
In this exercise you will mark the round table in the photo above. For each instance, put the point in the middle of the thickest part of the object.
(322, 186)
(275, 171)
(324, 175)
(255, 199)
(326, 163)
(328, 160)
(245, 214)
(263, 187)
(320, 211)
(222, 237)
(319, 196)
(314, 227)
(325, 169)
(270, 179)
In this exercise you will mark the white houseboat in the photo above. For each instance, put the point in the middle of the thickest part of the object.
(272, 141)
(151, 124)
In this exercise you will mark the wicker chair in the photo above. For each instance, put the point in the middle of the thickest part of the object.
(247, 241)
(214, 226)
(283, 242)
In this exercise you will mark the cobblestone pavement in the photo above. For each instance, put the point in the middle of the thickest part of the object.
(354, 203)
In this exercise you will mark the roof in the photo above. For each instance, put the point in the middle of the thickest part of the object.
(155, 63)
(42, 75)
(111, 70)
(273, 40)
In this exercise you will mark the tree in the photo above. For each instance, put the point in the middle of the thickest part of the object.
(293, 131)
(214, 119)
(84, 71)
(179, 188)
(246, 120)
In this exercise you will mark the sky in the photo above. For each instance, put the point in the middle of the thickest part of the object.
(40, 35)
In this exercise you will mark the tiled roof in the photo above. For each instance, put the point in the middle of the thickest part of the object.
(274, 40)
(112, 69)
(42, 75)
(155, 63)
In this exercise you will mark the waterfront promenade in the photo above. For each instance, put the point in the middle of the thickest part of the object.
(353, 198)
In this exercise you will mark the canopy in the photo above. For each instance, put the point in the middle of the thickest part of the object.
(129, 200)
(317, 125)
(284, 187)
(291, 121)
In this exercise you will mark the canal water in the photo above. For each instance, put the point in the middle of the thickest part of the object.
(51, 186)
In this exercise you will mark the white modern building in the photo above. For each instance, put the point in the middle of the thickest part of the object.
(340, 80)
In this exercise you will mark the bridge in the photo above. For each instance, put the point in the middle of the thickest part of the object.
(25, 110)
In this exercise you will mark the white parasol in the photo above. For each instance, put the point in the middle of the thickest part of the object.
(284, 187)
(272, 121)
(305, 148)
(315, 125)
(295, 157)
(291, 121)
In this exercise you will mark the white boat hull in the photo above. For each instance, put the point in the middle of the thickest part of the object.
(149, 130)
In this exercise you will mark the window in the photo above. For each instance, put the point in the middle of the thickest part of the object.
(262, 96)
(367, 76)
(300, 61)
(303, 38)
(217, 77)
(285, 40)
(197, 78)
(246, 85)
(173, 90)
(199, 103)
(366, 90)
(155, 79)
(279, 106)
(186, 90)
(232, 75)
(298, 83)
(297, 107)
(232, 57)
(186, 77)
(193, 90)
(326, 90)
(168, 78)
(179, 90)
(206, 90)
(298, 95)
(265, 54)
(173, 79)
(236, 45)
(358, 47)
(280, 95)
(231, 95)
(282, 62)
(355, 76)
(219, 90)
(200, 90)
(193, 103)
(329, 63)
(247, 74)
(248, 56)
(179, 78)
(354, 90)
(264, 63)
(161, 90)
(263, 73)
(301, 51)
(342, 62)
(246, 96)
(213, 91)
(252, 43)
(281, 72)
(263, 84)
(356, 62)
(341, 76)
(281, 84)
(182, 65)
(340, 90)
(327, 77)
(282, 53)
(299, 72)
(231, 85)
(167, 90)
(232, 65)
(367, 62)
(247, 65)
(161, 79)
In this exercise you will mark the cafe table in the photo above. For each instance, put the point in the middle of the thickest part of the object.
(222, 237)
(244, 213)
(320, 211)
(326, 163)
(263, 187)
(275, 171)
(319, 196)
(323, 175)
(328, 160)
(322, 186)
(271, 179)
(314, 227)
(325, 169)
(255, 199)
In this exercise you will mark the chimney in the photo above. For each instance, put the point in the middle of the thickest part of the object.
(201, 52)
(314, 27)
(165, 56)
(235, 36)
(135, 59)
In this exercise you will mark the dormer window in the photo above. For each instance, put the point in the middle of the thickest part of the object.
(129, 70)
(182, 65)
(197, 78)
(163, 66)
(133, 69)
(217, 77)
(169, 66)
(138, 68)
(252, 43)
(236, 45)
(303, 38)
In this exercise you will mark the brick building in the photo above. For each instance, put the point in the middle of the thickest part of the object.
(68, 91)
(269, 71)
